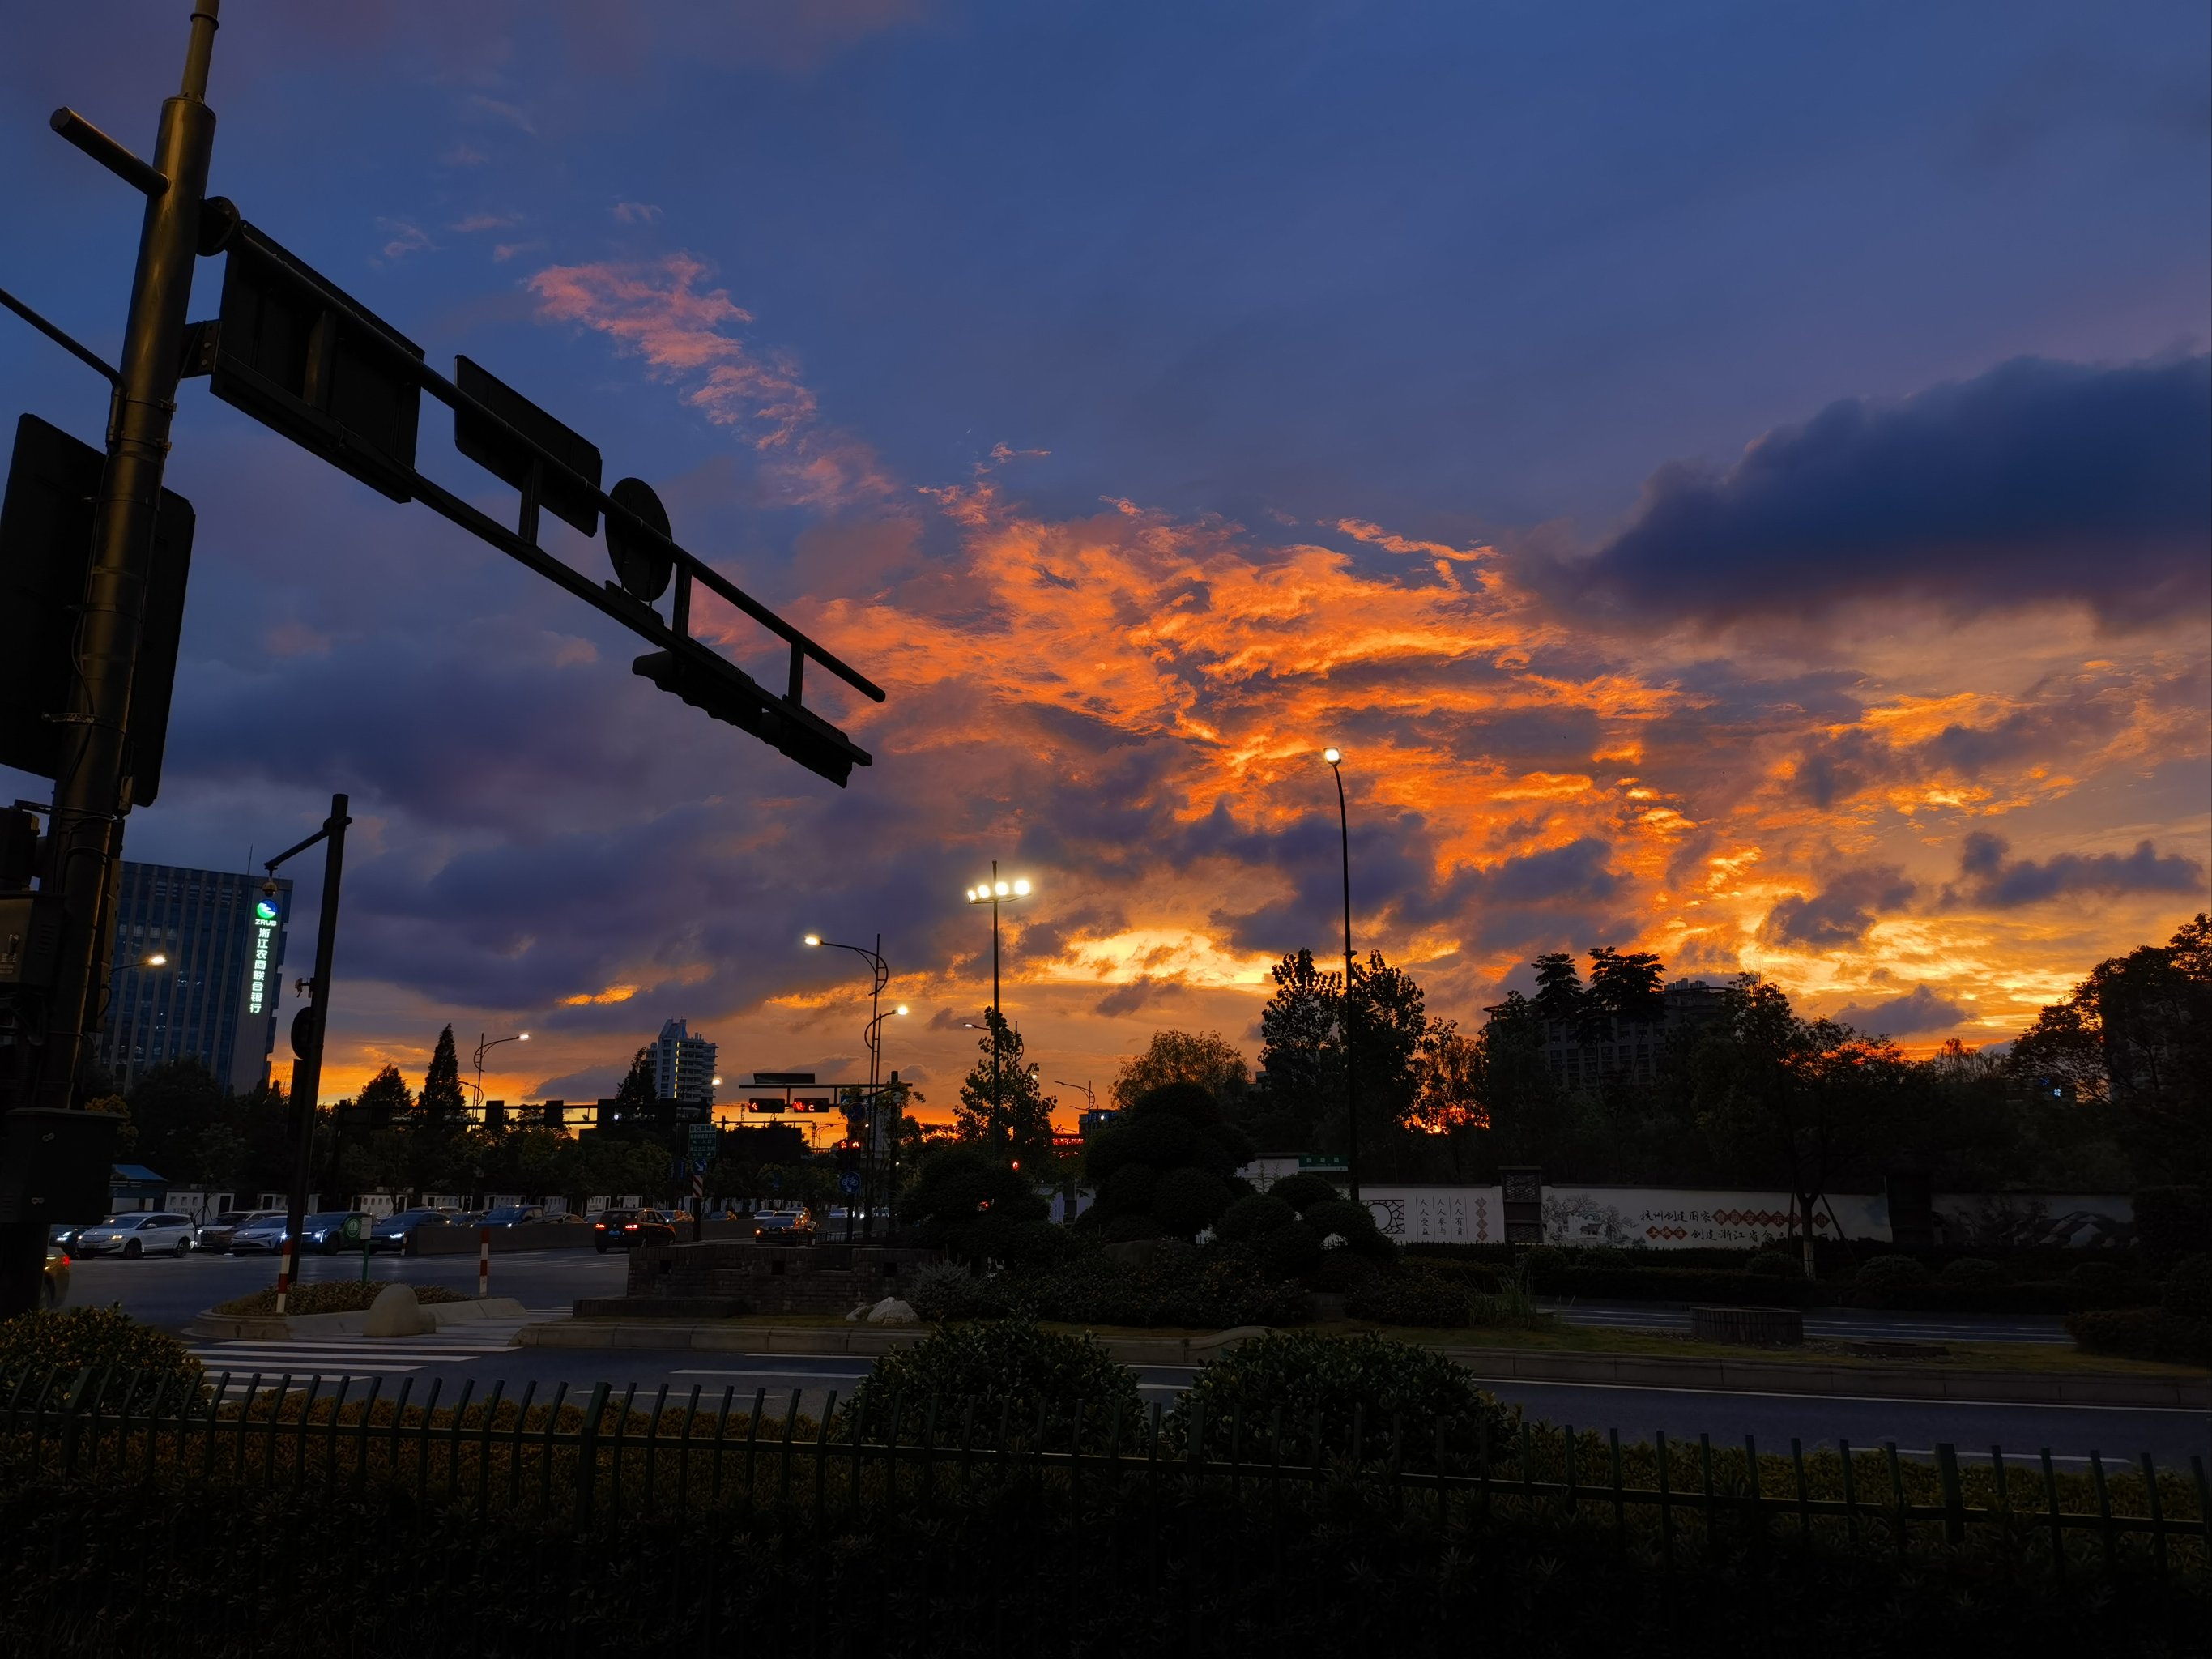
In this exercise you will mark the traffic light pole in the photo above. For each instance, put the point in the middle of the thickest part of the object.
(308, 1066)
(89, 802)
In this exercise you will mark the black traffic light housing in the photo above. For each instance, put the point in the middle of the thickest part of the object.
(711, 683)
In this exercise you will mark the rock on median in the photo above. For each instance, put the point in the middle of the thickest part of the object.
(394, 1313)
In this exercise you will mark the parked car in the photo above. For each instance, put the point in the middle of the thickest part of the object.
(565, 1219)
(393, 1231)
(214, 1233)
(152, 1232)
(783, 1227)
(627, 1228)
(325, 1231)
(53, 1289)
(66, 1233)
(512, 1215)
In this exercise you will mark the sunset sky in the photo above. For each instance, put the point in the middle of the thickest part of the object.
(1733, 478)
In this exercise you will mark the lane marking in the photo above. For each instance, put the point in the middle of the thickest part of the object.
(1868, 1399)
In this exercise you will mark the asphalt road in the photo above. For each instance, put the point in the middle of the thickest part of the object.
(1833, 1324)
(168, 1293)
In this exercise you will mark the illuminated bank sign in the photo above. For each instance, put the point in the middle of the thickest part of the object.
(260, 988)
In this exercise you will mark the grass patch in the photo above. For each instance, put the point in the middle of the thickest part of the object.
(348, 1296)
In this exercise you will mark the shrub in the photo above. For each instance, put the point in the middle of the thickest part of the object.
(1546, 1258)
(1475, 1278)
(1128, 1228)
(340, 1296)
(997, 1360)
(2188, 1290)
(1185, 1200)
(946, 1289)
(34, 1346)
(1021, 1244)
(2107, 1285)
(1355, 1222)
(2143, 1333)
(1293, 1250)
(1882, 1279)
(1408, 1298)
(1303, 1190)
(1973, 1273)
(959, 1188)
(1130, 1186)
(1772, 1264)
(1252, 1217)
(1402, 1385)
(1209, 1289)
(2174, 1221)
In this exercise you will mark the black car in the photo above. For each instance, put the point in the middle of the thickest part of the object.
(627, 1228)
(511, 1215)
(393, 1232)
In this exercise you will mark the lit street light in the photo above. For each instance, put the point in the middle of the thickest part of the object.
(1335, 756)
(995, 893)
(485, 1046)
(873, 1037)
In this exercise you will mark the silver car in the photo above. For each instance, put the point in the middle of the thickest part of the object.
(154, 1232)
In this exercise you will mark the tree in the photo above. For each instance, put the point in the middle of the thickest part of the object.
(1002, 1104)
(1627, 987)
(1299, 1054)
(1214, 1065)
(1558, 988)
(636, 1091)
(172, 1105)
(443, 1106)
(1390, 1022)
(386, 1099)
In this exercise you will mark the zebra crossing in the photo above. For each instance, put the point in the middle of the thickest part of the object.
(359, 1356)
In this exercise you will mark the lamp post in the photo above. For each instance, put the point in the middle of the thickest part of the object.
(485, 1046)
(995, 893)
(881, 971)
(1335, 756)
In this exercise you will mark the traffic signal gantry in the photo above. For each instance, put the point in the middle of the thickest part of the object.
(94, 559)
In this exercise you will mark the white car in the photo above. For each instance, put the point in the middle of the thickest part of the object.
(146, 1234)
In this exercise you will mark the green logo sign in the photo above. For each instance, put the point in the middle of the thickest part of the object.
(265, 910)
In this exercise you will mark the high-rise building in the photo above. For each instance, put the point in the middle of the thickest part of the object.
(214, 996)
(682, 1064)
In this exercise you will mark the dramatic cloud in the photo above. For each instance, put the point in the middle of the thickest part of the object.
(1987, 877)
(1919, 1010)
(686, 333)
(1842, 912)
(2040, 481)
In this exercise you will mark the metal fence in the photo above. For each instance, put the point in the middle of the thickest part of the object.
(599, 1456)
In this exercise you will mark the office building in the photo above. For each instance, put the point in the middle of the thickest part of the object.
(212, 997)
(682, 1064)
(1591, 1053)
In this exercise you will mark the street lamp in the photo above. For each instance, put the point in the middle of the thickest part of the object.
(995, 893)
(881, 971)
(485, 1046)
(1335, 756)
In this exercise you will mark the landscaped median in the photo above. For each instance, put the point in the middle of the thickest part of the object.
(2051, 1375)
(336, 1309)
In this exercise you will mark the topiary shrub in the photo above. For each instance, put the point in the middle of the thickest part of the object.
(1408, 1298)
(946, 1289)
(37, 1346)
(2143, 1333)
(1889, 1280)
(1971, 1273)
(2173, 1221)
(991, 1363)
(1354, 1223)
(1251, 1217)
(2107, 1285)
(1303, 1190)
(1128, 1228)
(1318, 1384)
(1186, 1200)
(1293, 1250)
(1130, 1188)
(2188, 1288)
(963, 1189)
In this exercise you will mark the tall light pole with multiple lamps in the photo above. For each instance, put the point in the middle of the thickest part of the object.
(485, 1046)
(1335, 756)
(995, 893)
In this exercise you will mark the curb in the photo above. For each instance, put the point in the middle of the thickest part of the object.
(1747, 1376)
(211, 1326)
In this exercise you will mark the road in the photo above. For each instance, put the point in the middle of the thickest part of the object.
(1833, 1324)
(168, 1293)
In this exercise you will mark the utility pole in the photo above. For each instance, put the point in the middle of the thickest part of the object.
(307, 1027)
(1335, 759)
(89, 797)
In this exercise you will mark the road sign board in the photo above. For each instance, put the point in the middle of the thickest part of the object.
(849, 1183)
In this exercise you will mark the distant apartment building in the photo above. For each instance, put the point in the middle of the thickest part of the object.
(212, 997)
(1585, 1053)
(683, 1066)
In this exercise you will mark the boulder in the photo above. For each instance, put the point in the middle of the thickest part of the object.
(394, 1313)
(891, 1311)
